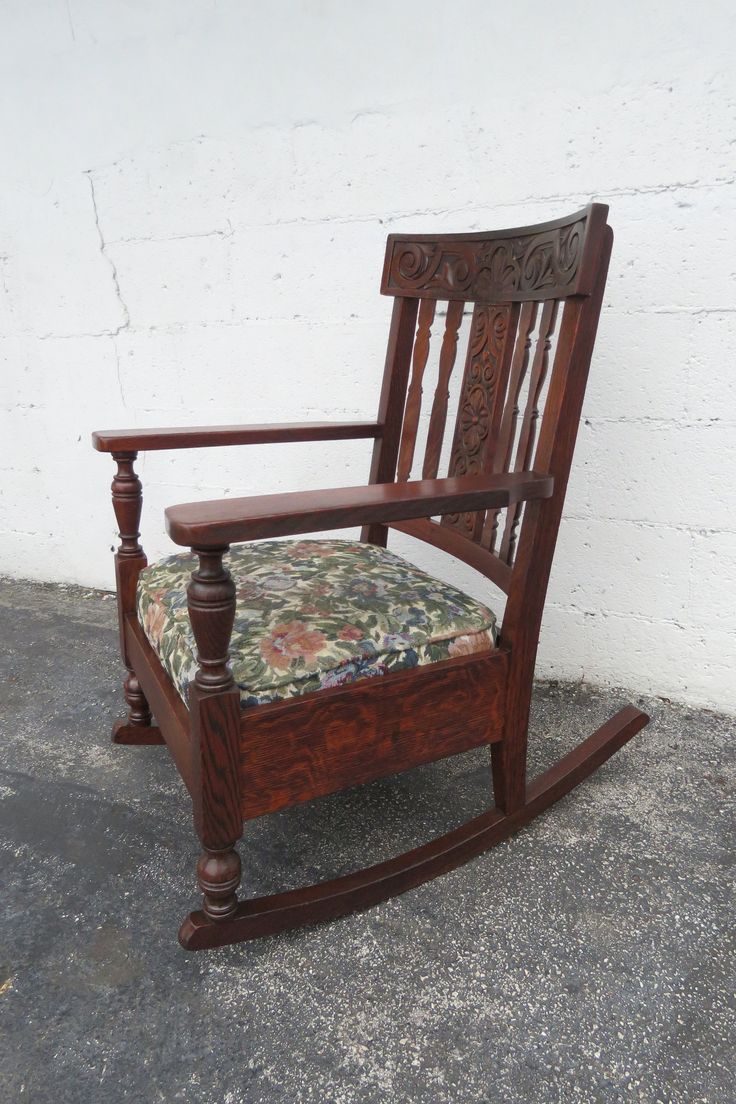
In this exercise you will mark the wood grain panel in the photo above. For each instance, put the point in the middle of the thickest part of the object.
(225, 521)
(306, 747)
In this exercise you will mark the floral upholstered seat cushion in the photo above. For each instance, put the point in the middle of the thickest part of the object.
(313, 614)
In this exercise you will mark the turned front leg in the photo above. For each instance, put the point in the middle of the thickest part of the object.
(214, 706)
(130, 559)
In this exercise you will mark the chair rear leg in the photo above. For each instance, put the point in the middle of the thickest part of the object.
(127, 501)
(508, 762)
(137, 727)
(508, 768)
(508, 758)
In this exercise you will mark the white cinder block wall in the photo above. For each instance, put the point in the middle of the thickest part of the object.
(194, 199)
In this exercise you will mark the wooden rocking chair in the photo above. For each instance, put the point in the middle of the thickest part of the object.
(285, 710)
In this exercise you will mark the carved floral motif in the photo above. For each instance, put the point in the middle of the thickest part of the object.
(493, 269)
(472, 444)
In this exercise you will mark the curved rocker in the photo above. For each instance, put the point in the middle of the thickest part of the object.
(524, 292)
(353, 892)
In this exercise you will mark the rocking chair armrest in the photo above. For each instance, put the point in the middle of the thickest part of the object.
(227, 521)
(142, 440)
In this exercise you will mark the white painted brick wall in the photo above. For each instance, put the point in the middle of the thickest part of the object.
(194, 199)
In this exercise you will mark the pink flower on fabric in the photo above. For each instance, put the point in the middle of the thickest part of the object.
(349, 632)
(155, 622)
(308, 548)
(470, 644)
(290, 641)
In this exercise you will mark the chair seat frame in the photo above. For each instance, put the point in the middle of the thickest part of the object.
(242, 763)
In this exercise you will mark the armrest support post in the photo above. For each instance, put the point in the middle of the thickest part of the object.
(211, 603)
(130, 559)
(127, 502)
(214, 706)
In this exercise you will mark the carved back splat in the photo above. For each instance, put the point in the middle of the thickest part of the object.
(481, 398)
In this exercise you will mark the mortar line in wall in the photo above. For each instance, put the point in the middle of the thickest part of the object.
(591, 420)
(312, 323)
(183, 327)
(672, 310)
(570, 607)
(430, 212)
(645, 523)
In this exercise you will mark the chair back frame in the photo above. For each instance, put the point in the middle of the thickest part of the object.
(520, 284)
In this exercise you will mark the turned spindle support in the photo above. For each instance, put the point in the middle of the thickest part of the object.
(214, 707)
(130, 559)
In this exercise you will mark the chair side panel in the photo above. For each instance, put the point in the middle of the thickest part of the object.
(307, 747)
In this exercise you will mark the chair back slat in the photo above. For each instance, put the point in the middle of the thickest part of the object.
(507, 434)
(414, 396)
(527, 434)
(438, 417)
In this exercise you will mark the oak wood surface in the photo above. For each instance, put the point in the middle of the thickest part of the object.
(214, 707)
(239, 519)
(482, 393)
(391, 404)
(528, 428)
(306, 747)
(507, 429)
(438, 416)
(183, 437)
(414, 394)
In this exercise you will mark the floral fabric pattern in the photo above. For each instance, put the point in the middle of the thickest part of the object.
(313, 614)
